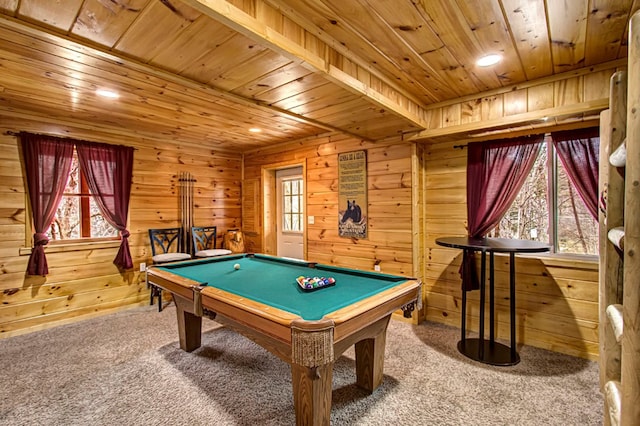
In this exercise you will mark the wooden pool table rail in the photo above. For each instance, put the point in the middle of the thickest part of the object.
(276, 322)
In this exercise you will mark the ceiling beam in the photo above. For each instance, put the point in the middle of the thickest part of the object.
(303, 21)
(226, 13)
(605, 66)
(467, 130)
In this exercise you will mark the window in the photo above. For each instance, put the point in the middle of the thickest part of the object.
(77, 215)
(292, 198)
(48, 162)
(549, 209)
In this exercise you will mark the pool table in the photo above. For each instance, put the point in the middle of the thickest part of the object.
(259, 297)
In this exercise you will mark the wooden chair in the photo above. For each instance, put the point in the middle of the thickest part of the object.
(204, 242)
(165, 247)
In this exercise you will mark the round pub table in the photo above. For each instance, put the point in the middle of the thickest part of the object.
(490, 351)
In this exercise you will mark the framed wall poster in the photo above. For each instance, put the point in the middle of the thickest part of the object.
(352, 194)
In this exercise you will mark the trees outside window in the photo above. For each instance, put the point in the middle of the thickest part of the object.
(78, 215)
(576, 229)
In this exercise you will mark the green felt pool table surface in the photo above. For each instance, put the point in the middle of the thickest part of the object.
(272, 281)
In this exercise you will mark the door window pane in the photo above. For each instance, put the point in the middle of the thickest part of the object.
(292, 205)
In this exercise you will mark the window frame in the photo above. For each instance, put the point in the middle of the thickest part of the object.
(552, 193)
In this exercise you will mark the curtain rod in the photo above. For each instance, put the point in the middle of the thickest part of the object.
(12, 133)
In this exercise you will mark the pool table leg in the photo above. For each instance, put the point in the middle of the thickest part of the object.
(370, 361)
(312, 393)
(189, 325)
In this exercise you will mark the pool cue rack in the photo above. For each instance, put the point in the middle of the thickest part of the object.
(185, 189)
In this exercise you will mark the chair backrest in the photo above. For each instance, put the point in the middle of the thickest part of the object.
(204, 237)
(166, 240)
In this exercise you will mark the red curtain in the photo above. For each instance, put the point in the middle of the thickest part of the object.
(579, 151)
(496, 170)
(47, 162)
(108, 170)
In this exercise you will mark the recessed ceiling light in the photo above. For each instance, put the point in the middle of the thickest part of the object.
(107, 93)
(488, 60)
(255, 130)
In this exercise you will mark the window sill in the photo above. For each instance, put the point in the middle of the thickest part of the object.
(563, 259)
(75, 246)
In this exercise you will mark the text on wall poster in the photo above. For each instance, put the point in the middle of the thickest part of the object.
(352, 194)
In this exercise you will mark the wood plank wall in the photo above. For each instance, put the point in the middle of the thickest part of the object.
(389, 180)
(83, 283)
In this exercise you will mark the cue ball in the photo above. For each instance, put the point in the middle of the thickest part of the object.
(236, 266)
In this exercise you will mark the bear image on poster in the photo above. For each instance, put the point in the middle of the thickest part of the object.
(354, 212)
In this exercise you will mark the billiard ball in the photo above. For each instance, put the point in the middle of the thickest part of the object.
(236, 266)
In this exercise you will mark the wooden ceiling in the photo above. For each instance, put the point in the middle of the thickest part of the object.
(205, 71)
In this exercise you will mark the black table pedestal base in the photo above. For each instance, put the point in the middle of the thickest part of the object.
(494, 353)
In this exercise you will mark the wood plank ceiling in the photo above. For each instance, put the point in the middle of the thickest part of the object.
(205, 71)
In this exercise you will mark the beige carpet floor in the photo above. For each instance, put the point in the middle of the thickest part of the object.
(127, 369)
